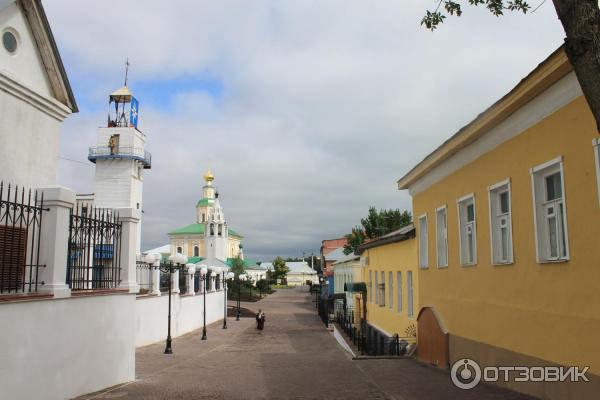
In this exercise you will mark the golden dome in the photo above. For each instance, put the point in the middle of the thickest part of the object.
(209, 177)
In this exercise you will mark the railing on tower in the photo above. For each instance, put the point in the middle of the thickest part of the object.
(135, 153)
(94, 260)
(20, 224)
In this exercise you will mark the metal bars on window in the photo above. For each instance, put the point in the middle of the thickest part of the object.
(20, 225)
(94, 260)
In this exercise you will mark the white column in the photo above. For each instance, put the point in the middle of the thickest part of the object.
(129, 218)
(156, 277)
(175, 281)
(54, 240)
(191, 269)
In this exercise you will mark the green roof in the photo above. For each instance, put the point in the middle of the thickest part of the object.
(198, 229)
(189, 230)
(195, 260)
(247, 263)
(205, 202)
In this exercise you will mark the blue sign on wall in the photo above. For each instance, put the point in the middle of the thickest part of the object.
(133, 115)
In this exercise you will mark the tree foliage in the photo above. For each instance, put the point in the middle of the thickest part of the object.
(376, 224)
(237, 266)
(432, 19)
(280, 270)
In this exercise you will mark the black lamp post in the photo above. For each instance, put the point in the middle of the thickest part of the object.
(178, 259)
(203, 280)
(226, 276)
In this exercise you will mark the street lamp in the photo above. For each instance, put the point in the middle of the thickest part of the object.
(241, 277)
(178, 259)
(203, 272)
(226, 277)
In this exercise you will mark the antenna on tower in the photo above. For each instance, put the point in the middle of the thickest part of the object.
(126, 70)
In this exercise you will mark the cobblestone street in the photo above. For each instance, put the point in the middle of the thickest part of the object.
(295, 357)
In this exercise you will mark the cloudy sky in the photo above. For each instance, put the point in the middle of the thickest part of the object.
(306, 111)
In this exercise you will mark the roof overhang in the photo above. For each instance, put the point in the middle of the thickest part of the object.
(408, 232)
(48, 51)
(552, 69)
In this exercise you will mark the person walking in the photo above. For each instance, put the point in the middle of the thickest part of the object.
(260, 320)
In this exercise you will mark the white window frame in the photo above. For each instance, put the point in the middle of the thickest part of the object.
(437, 238)
(460, 205)
(542, 171)
(370, 286)
(596, 145)
(424, 242)
(494, 190)
(391, 289)
(399, 291)
(410, 312)
(376, 273)
(382, 290)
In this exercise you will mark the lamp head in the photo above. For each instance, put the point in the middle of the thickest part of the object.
(150, 258)
(203, 270)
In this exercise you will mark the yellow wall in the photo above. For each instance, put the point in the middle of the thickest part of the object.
(549, 311)
(399, 256)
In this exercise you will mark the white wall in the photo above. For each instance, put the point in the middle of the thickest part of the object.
(186, 315)
(63, 348)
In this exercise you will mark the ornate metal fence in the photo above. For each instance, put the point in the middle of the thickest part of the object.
(94, 260)
(20, 224)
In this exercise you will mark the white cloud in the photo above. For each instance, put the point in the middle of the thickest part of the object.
(324, 104)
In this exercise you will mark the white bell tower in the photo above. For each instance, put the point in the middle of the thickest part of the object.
(120, 156)
(216, 233)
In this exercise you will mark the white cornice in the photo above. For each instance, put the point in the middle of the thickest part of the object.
(47, 105)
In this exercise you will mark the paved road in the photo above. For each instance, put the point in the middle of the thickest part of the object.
(293, 358)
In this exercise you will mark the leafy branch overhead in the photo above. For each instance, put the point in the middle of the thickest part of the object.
(432, 19)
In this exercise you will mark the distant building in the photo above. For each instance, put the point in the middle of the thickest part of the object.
(390, 273)
(327, 247)
(299, 272)
(347, 271)
(210, 236)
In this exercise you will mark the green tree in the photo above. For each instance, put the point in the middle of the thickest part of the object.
(354, 239)
(237, 266)
(580, 20)
(280, 270)
(377, 223)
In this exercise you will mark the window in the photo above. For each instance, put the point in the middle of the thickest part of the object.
(376, 287)
(467, 230)
(371, 286)
(196, 251)
(500, 223)
(179, 250)
(399, 283)
(382, 290)
(550, 211)
(9, 40)
(441, 236)
(596, 143)
(423, 245)
(409, 288)
(391, 291)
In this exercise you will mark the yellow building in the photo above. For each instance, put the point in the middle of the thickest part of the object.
(390, 272)
(508, 225)
(210, 231)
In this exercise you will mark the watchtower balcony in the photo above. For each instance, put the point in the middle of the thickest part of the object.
(127, 153)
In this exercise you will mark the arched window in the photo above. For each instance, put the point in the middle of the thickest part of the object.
(212, 229)
(196, 251)
(220, 230)
(203, 217)
(179, 250)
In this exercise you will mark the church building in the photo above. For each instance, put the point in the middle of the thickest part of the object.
(209, 238)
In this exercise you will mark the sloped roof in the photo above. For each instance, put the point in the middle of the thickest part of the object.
(404, 233)
(48, 51)
(198, 229)
(349, 257)
(162, 250)
(336, 254)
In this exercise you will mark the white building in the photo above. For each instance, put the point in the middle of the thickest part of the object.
(299, 272)
(35, 96)
(347, 270)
